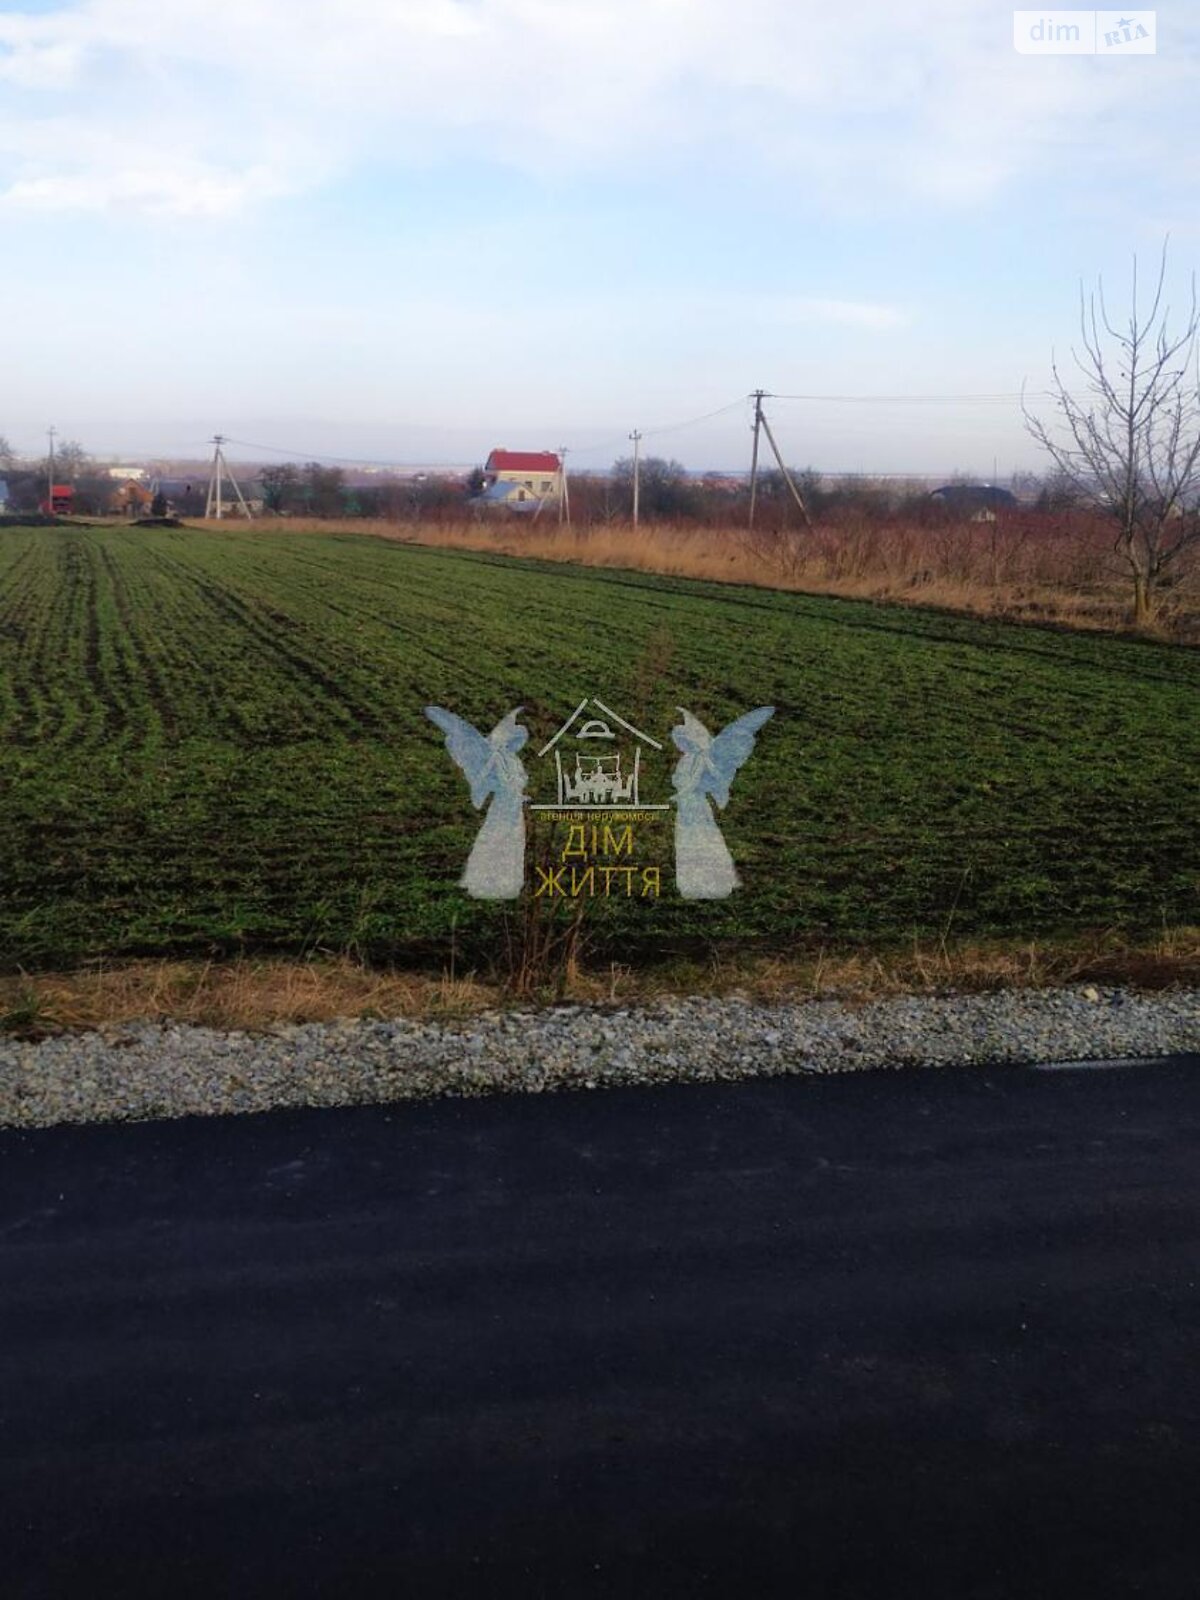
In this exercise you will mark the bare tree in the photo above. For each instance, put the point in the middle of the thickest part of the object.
(1130, 443)
(280, 486)
(667, 488)
(71, 461)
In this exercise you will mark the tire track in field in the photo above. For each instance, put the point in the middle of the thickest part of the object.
(516, 632)
(244, 615)
(194, 677)
(224, 682)
(403, 628)
(12, 574)
(145, 664)
(76, 714)
(200, 699)
(437, 618)
(47, 653)
(18, 595)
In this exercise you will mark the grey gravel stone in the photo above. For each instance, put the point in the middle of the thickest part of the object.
(149, 1070)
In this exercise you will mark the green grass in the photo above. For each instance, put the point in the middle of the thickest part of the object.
(213, 741)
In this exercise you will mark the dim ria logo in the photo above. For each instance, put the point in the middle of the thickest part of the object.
(598, 763)
(1084, 33)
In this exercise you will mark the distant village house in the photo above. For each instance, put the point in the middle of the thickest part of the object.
(977, 501)
(521, 480)
(131, 499)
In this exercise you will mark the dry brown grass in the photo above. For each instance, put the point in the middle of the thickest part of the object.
(255, 995)
(245, 993)
(1045, 570)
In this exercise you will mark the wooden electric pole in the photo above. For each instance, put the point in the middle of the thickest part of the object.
(787, 477)
(564, 499)
(757, 397)
(761, 425)
(214, 506)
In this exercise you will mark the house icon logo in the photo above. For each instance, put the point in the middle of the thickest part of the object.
(598, 762)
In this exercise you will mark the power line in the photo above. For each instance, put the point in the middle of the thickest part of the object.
(377, 461)
(675, 427)
(316, 455)
(917, 399)
(662, 429)
(669, 427)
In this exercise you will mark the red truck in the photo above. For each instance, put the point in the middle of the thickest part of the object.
(60, 503)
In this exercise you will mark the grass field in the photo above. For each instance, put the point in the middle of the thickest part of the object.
(1028, 567)
(212, 742)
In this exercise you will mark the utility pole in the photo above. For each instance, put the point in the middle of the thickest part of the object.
(637, 472)
(787, 477)
(50, 470)
(757, 397)
(214, 482)
(564, 499)
(214, 505)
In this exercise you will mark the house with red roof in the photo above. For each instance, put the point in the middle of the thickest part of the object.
(522, 480)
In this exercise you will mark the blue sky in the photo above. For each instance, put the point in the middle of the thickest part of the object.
(412, 229)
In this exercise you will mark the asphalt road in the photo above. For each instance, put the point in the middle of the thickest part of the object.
(929, 1334)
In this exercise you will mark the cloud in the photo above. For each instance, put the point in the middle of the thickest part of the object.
(850, 313)
(782, 311)
(206, 109)
(178, 190)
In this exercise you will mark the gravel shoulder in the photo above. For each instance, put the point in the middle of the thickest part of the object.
(151, 1070)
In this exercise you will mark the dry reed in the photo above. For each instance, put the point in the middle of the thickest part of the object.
(259, 994)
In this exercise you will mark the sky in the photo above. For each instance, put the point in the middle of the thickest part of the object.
(410, 230)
